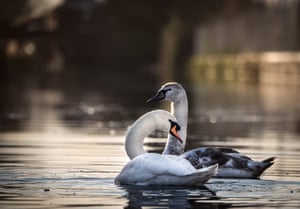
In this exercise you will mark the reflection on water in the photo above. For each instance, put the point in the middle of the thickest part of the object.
(64, 151)
(172, 197)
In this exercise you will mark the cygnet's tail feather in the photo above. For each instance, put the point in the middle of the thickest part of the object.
(269, 160)
(265, 165)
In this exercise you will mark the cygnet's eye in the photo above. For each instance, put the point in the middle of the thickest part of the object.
(165, 91)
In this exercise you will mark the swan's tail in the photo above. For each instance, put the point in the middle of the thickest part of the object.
(201, 176)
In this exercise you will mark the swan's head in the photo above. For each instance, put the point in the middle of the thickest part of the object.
(174, 128)
(171, 91)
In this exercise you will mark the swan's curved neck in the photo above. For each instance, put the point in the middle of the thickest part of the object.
(146, 124)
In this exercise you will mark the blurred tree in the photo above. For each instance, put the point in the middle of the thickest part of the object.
(173, 22)
(129, 35)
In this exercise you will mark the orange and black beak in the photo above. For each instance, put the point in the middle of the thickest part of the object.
(174, 130)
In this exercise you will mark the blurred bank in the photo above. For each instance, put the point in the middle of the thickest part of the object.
(56, 41)
(105, 51)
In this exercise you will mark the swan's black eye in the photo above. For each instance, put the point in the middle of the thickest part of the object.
(177, 127)
(173, 123)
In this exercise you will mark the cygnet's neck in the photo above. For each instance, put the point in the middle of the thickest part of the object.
(179, 108)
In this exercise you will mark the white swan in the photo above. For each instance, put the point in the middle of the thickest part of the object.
(232, 164)
(156, 169)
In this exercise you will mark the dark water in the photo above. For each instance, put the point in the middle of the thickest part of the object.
(61, 150)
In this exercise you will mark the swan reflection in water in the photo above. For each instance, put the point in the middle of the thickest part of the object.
(171, 197)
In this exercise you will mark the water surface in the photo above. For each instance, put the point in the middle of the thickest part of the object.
(64, 151)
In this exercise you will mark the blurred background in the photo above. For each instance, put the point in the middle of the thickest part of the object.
(99, 60)
(74, 74)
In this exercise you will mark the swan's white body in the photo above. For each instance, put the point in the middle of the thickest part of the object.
(232, 164)
(156, 169)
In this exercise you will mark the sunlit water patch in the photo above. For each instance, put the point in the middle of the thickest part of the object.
(68, 169)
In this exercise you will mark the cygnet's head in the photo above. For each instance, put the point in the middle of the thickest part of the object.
(171, 91)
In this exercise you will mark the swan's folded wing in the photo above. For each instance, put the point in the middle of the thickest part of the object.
(168, 165)
(156, 169)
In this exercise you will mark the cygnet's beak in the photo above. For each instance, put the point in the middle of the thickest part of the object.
(160, 95)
